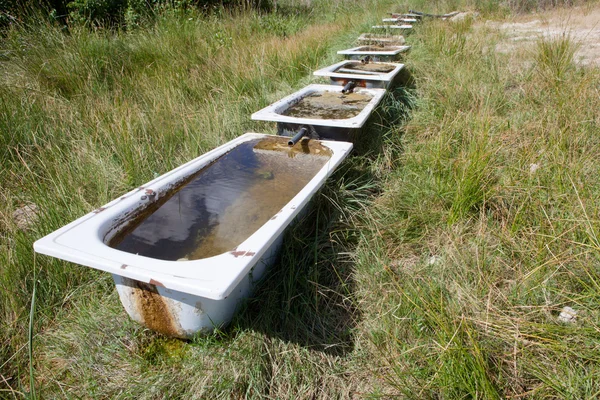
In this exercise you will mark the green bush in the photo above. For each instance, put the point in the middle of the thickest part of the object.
(97, 11)
(8, 12)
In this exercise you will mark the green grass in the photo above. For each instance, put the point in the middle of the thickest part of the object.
(434, 266)
(473, 253)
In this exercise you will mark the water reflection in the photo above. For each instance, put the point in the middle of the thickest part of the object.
(223, 204)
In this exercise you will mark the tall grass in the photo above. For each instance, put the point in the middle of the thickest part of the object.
(488, 228)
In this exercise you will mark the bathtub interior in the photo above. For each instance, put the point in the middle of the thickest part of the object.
(218, 207)
(374, 49)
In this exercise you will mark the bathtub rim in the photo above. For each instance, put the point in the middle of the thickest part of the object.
(356, 51)
(330, 72)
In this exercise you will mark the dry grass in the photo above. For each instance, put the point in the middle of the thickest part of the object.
(579, 24)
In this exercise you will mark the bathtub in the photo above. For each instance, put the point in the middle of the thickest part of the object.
(389, 53)
(344, 129)
(405, 27)
(180, 298)
(380, 80)
(381, 38)
(407, 15)
(399, 19)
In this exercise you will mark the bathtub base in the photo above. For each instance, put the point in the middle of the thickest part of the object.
(182, 315)
(365, 83)
(362, 83)
(340, 134)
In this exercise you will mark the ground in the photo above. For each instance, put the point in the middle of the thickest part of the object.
(581, 24)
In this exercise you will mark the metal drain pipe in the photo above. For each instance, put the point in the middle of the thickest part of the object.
(296, 138)
(349, 88)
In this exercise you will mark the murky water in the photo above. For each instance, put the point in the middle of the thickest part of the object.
(329, 105)
(370, 67)
(223, 204)
(377, 48)
(377, 37)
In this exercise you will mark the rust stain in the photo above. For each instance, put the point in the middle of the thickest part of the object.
(150, 192)
(156, 283)
(198, 308)
(152, 308)
(359, 82)
(124, 266)
(242, 253)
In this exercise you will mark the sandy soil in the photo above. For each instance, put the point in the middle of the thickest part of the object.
(582, 24)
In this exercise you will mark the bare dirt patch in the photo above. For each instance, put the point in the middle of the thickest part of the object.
(581, 24)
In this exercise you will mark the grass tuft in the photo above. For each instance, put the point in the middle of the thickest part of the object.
(555, 58)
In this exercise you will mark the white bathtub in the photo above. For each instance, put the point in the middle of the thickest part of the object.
(381, 38)
(407, 15)
(393, 27)
(331, 129)
(400, 19)
(180, 298)
(381, 80)
(391, 54)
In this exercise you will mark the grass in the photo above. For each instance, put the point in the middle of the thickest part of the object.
(476, 251)
(434, 266)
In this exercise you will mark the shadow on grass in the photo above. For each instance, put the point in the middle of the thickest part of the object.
(307, 296)
(384, 128)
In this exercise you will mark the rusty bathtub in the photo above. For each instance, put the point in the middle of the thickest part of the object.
(181, 295)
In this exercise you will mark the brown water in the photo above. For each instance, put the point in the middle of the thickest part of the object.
(377, 48)
(378, 37)
(329, 105)
(370, 67)
(223, 204)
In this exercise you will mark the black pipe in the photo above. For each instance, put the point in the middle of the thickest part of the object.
(407, 15)
(433, 15)
(349, 88)
(425, 14)
(296, 138)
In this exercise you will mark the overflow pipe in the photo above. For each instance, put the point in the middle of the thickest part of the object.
(349, 88)
(296, 138)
